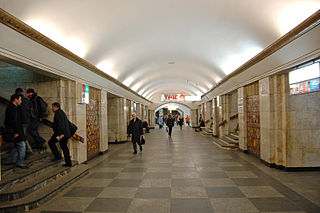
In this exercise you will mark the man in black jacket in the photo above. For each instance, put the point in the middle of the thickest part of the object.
(25, 115)
(38, 112)
(170, 123)
(136, 130)
(61, 129)
(13, 122)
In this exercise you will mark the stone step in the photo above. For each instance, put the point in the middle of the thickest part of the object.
(231, 138)
(16, 175)
(45, 193)
(234, 134)
(22, 189)
(35, 157)
(227, 140)
(224, 145)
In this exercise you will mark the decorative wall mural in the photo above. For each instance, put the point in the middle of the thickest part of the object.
(93, 123)
(253, 118)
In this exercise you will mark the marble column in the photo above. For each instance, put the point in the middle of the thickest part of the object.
(117, 120)
(152, 121)
(242, 119)
(194, 121)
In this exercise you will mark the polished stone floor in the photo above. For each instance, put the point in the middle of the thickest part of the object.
(186, 174)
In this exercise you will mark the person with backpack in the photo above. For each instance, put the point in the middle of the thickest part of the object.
(38, 112)
(170, 123)
(61, 133)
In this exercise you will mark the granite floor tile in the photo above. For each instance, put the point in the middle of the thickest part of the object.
(224, 192)
(216, 182)
(84, 192)
(157, 175)
(125, 183)
(177, 175)
(153, 192)
(209, 169)
(186, 182)
(259, 191)
(156, 183)
(274, 204)
(109, 205)
(130, 175)
(103, 175)
(233, 205)
(213, 175)
(188, 192)
(118, 192)
(195, 205)
(139, 205)
(234, 168)
(241, 174)
(249, 182)
(134, 170)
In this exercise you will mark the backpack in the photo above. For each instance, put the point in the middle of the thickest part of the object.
(42, 106)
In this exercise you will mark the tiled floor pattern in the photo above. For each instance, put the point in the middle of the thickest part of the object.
(183, 174)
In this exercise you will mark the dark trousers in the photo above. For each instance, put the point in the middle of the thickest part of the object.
(64, 146)
(170, 130)
(134, 143)
(33, 131)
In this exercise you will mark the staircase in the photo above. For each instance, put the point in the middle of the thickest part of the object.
(230, 141)
(24, 189)
(206, 131)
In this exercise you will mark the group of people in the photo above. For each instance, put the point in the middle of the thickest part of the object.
(170, 120)
(23, 115)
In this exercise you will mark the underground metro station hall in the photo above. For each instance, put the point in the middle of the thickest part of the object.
(177, 106)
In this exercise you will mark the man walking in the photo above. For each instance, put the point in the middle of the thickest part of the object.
(38, 112)
(25, 115)
(13, 123)
(136, 130)
(62, 133)
(170, 123)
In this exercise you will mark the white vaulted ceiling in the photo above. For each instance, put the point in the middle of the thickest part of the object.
(168, 46)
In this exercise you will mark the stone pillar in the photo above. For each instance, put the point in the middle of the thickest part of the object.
(79, 150)
(242, 119)
(138, 112)
(215, 116)
(152, 121)
(194, 121)
(208, 113)
(104, 121)
(225, 114)
(117, 120)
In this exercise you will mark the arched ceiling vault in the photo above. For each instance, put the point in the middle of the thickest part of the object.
(154, 47)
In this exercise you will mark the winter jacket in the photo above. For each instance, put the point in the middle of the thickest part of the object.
(61, 124)
(135, 129)
(13, 121)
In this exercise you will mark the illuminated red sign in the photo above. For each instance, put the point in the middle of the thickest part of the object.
(176, 97)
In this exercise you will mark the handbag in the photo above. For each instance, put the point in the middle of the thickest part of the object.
(143, 140)
(73, 128)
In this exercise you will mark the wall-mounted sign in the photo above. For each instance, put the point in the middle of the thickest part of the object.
(176, 97)
(85, 94)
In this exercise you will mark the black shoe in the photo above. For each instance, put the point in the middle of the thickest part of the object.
(8, 164)
(135, 152)
(22, 167)
(140, 148)
(55, 159)
(67, 165)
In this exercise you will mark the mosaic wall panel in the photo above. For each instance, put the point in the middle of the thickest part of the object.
(253, 118)
(93, 123)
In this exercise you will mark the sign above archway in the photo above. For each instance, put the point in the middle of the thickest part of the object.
(172, 97)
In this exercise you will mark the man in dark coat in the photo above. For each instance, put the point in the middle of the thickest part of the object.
(25, 115)
(38, 112)
(170, 123)
(136, 130)
(61, 129)
(13, 123)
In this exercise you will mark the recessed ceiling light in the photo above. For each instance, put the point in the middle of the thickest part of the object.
(171, 62)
